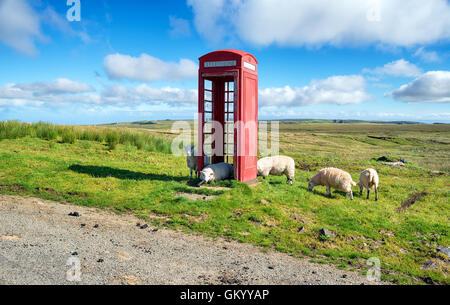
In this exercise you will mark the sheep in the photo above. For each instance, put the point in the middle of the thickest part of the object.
(277, 165)
(333, 178)
(369, 179)
(192, 159)
(216, 172)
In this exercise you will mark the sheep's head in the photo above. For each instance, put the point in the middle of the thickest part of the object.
(259, 172)
(207, 175)
(310, 185)
(189, 150)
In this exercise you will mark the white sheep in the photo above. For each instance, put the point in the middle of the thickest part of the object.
(277, 165)
(192, 159)
(369, 179)
(333, 178)
(216, 172)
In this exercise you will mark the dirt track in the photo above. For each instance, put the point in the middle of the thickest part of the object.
(38, 238)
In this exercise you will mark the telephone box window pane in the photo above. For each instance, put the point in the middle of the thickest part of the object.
(230, 149)
(207, 144)
(208, 117)
(207, 127)
(228, 127)
(208, 84)
(231, 107)
(208, 106)
(208, 96)
(230, 138)
(231, 86)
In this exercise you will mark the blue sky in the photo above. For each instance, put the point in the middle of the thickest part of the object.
(137, 60)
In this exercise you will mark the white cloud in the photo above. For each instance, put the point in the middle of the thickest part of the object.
(58, 86)
(322, 22)
(397, 68)
(433, 86)
(148, 68)
(63, 92)
(209, 17)
(143, 93)
(179, 27)
(62, 24)
(427, 56)
(339, 90)
(19, 26)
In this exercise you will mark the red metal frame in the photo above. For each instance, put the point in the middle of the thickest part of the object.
(239, 67)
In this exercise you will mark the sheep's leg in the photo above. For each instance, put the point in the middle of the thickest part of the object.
(191, 173)
(360, 190)
(328, 191)
(368, 192)
(351, 194)
(376, 194)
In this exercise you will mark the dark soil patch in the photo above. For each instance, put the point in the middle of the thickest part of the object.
(381, 138)
(14, 188)
(410, 201)
(306, 166)
(78, 194)
(384, 159)
(49, 190)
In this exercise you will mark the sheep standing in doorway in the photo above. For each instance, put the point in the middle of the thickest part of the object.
(192, 159)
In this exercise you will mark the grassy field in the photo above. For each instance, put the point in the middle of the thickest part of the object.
(128, 178)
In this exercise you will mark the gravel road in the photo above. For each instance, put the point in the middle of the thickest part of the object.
(41, 244)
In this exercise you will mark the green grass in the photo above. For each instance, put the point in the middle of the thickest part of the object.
(70, 134)
(143, 179)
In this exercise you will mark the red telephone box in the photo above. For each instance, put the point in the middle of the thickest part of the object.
(228, 111)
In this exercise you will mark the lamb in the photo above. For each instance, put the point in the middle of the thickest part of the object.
(192, 159)
(277, 165)
(216, 172)
(333, 178)
(369, 179)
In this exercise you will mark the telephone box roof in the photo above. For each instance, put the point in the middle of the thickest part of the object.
(237, 52)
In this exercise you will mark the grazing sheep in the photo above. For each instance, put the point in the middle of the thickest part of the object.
(369, 179)
(333, 178)
(216, 172)
(277, 165)
(192, 159)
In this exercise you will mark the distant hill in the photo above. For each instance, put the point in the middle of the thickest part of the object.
(132, 123)
(293, 121)
(286, 121)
